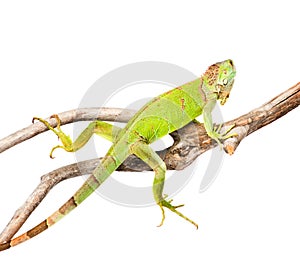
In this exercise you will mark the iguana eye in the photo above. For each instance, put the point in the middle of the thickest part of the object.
(225, 81)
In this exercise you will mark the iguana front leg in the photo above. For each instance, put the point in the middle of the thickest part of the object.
(212, 132)
(150, 157)
(100, 128)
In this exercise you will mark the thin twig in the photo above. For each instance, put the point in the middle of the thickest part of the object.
(189, 142)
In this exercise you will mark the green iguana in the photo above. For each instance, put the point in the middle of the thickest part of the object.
(159, 117)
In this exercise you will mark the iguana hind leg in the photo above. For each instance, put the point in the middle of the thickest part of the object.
(100, 128)
(149, 156)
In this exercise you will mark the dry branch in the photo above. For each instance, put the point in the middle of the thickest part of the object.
(189, 142)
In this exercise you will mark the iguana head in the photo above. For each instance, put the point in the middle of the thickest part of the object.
(219, 79)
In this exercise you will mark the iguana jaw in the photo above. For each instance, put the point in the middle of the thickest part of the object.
(224, 92)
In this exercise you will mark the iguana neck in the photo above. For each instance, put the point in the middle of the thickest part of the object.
(199, 92)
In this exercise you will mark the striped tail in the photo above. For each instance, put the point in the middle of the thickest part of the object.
(108, 165)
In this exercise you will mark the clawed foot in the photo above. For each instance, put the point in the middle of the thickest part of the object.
(217, 136)
(65, 139)
(168, 205)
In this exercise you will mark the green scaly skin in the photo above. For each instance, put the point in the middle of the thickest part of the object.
(159, 117)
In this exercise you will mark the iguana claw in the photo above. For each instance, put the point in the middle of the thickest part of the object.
(217, 136)
(65, 139)
(168, 205)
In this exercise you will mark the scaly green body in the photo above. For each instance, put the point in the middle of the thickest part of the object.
(161, 116)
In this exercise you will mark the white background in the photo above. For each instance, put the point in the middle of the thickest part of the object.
(52, 52)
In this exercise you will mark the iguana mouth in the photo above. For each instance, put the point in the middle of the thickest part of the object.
(223, 96)
(222, 93)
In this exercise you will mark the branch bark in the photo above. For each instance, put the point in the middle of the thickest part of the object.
(189, 142)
